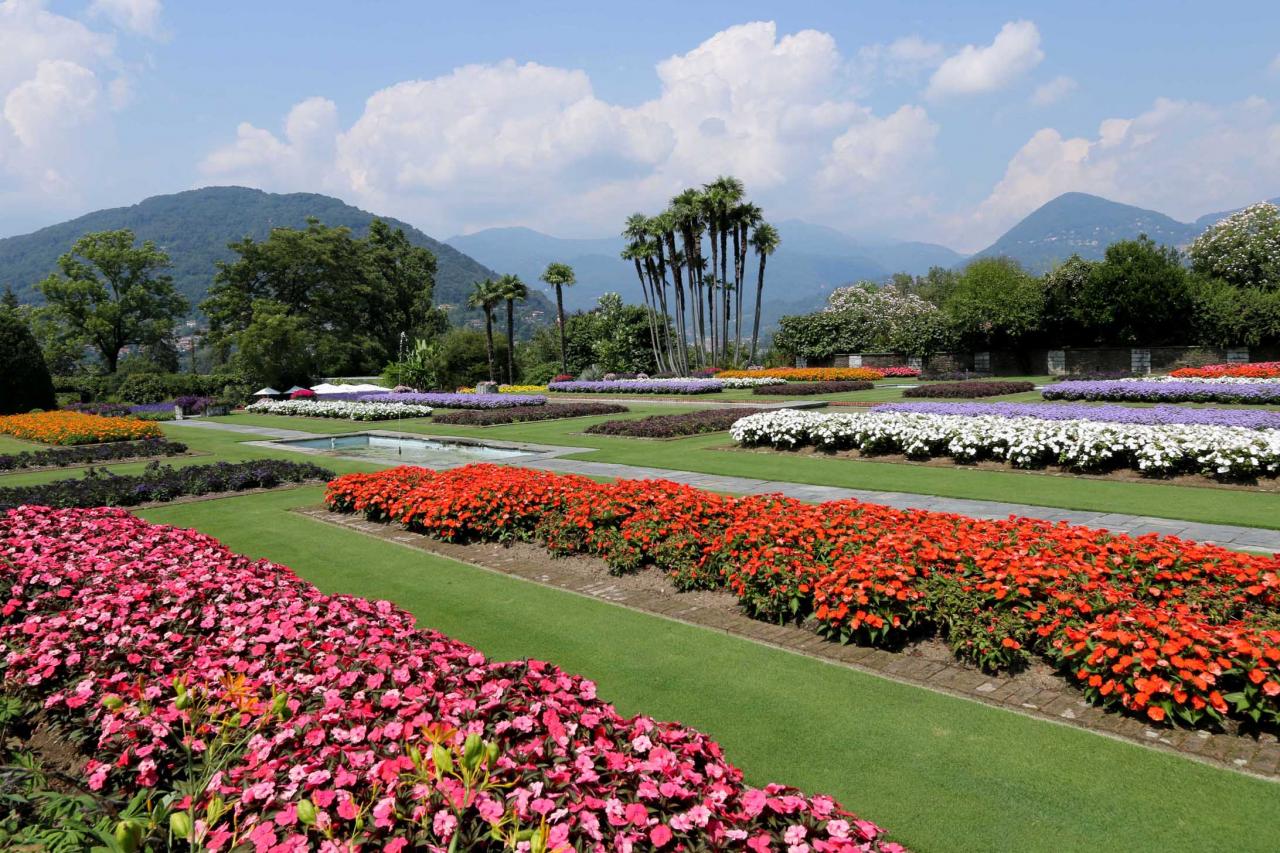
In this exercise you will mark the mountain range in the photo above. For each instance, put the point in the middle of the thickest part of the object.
(195, 226)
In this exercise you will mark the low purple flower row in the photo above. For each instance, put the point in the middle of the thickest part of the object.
(456, 401)
(1151, 416)
(640, 386)
(1166, 392)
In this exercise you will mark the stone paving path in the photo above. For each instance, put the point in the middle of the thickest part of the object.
(1239, 538)
(1037, 693)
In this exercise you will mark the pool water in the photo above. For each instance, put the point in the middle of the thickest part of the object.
(407, 449)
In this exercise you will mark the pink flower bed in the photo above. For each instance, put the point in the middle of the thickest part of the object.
(325, 722)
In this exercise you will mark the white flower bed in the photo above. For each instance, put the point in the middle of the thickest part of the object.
(355, 411)
(752, 381)
(1214, 451)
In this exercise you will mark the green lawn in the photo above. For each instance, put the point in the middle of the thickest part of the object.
(712, 454)
(943, 774)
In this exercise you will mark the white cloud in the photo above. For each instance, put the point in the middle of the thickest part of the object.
(528, 143)
(973, 69)
(902, 59)
(139, 16)
(1183, 158)
(61, 96)
(1053, 91)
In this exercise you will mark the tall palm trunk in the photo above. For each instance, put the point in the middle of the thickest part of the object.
(739, 258)
(680, 350)
(511, 341)
(564, 357)
(649, 310)
(713, 231)
(755, 326)
(488, 339)
(724, 290)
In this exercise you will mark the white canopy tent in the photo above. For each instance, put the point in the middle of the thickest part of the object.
(266, 392)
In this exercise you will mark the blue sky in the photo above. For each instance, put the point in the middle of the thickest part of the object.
(938, 121)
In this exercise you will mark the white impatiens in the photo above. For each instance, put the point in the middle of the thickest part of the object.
(355, 411)
(751, 381)
(1160, 450)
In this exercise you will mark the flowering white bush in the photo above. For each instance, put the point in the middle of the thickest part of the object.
(752, 381)
(1243, 249)
(339, 409)
(1165, 449)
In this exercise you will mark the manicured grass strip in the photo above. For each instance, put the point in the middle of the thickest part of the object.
(942, 773)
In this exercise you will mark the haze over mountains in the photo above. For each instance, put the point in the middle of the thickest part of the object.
(195, 226)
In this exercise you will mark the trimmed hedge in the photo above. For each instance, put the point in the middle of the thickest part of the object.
(90, 454)
(520, 414)
(161, 483)
(152, 387)
(672, 426)
(24, 378)
(807, 389)
(969, 389)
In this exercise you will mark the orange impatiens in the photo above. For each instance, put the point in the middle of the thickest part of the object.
(1254, 370)
(76, 428)
(1155, 626)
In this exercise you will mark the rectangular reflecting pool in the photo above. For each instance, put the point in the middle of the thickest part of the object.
(404, 449)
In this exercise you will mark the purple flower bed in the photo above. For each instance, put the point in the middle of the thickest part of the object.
(151, 409)
(969, 389)
(1166, 392)
(109, 410)
(453, 401)
(803, 389)
(640, 386)
(161, 483)
(1150, 416)
(92, 453)
(1095, 376)
(519, 414)
(671, 426)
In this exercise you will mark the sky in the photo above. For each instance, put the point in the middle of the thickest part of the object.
(937, 121)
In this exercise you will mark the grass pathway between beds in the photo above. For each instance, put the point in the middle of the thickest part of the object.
(942, 773)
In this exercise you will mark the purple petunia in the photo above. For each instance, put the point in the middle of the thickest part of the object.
(456, 401)
(1165, 392)
(640, 386)
(1150, 416)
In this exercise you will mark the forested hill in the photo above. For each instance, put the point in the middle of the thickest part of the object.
(194, 228)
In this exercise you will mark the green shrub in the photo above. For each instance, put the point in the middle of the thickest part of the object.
(24, 377)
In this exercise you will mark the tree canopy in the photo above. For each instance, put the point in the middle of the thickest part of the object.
(113, 294)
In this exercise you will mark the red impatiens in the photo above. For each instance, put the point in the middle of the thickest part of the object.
(261, 714)
(1159, 627)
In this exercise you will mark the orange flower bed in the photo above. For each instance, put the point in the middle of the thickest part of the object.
(1256, 370)
(1162, 628)
(76, 428)
(805, 374)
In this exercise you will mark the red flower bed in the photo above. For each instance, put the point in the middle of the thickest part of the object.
(1155, 626)
(1255, 370)
(308, 721)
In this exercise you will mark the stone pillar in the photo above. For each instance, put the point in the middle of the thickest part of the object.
(1140, 361)
(915, 361)
(1056, 363)
(982, 362)
(855, 360)
(801, 361)
(1237, 355)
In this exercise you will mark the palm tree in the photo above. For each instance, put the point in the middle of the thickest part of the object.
(765, 240)
(560, 276)
(513, 290)
(745, 217)
(485, 296)
(723, 195)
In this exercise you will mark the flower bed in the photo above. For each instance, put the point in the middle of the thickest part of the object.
(348, 409)
(1176, 391)
(808, 389)
(1151, 415)
(896, 372)
(161, 483)
(58, 457)
(1256, 370)
(750, 381)
(76, 428)
(808, 374)
(673, 426)
(520, 414)
(309, 721)
(1155, 626)
(986, 388)
(639, 386)
(457, 401)
(1225, 453)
